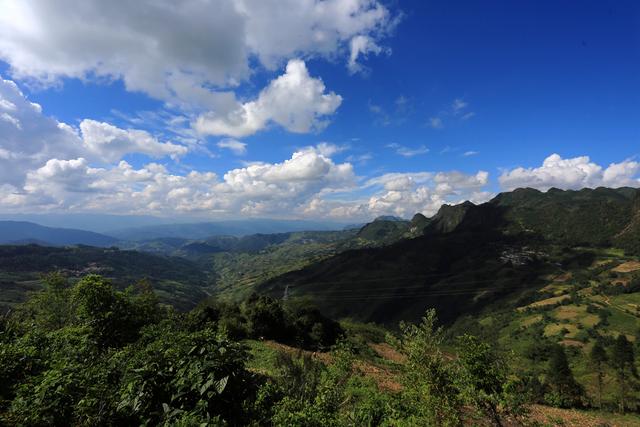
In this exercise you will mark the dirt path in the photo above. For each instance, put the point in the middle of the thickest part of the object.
(618, 307)
(387, 352)
(387, 380)
(546, 415)
(383, 376)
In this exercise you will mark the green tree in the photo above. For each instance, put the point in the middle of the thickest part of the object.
(598, 358)
(566, 392)
(484, 380)
(51, 308)
(265, 318)
(114, 317)
(430, 395)
(623, 362)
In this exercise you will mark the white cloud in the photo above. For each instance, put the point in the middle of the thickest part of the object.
(624, 174)
(407, 194)
(470, 153)
(10, 119)
(295, 101)
(457, 110)
(327, 149)
(109, 143)
(40, 138)
(404, 194)
(54, 170)
(36, 139)
(573, 173)
(238, 148)
(189, 53)
(407, 151)
(360, 158)
(458, 105)
(48, 165)
(257, 189)
(361, 46)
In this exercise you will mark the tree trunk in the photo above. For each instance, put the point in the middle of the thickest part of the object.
(623, 391)
(600, 375)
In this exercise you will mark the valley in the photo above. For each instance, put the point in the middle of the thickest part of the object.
(527, 272)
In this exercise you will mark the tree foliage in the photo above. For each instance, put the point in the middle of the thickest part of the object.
(565, 392)
(89, 354)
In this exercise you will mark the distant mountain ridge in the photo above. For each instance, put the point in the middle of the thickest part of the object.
(238, 228)
(22, 232)
(462, 247)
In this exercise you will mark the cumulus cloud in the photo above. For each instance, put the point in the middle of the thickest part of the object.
(57, 167)
(257, 189)
(573, 173)
(27, 138)
(110, 143)
(404, 194)
(294, 100)
(40, 138)
(179, 51)
(236, 147)
(48, 165)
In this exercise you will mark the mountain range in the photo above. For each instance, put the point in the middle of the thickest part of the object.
(203, 230)
(459, 261)
(467, 255)
(22, 232)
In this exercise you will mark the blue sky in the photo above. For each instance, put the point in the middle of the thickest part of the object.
(445, 101)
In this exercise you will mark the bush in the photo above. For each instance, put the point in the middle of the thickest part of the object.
(430, 396)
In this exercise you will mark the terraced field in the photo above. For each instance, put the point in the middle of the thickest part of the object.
(577, 306)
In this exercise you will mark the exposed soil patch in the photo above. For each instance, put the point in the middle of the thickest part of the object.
(563, 277)
(569, 418)
(572, 343)
(384, 378)
(542, 303)
(627, 267)
(385, 351)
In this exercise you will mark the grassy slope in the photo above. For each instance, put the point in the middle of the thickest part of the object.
(383, 364)
(458, 266)
(455, 273)
(518, 322)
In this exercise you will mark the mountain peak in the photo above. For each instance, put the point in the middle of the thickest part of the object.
(389, 218)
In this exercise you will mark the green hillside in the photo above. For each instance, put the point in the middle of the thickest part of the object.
(469, 255)
(593, 298)
(586, 217)
(84, 353)
(177, 281)
(527, 286)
